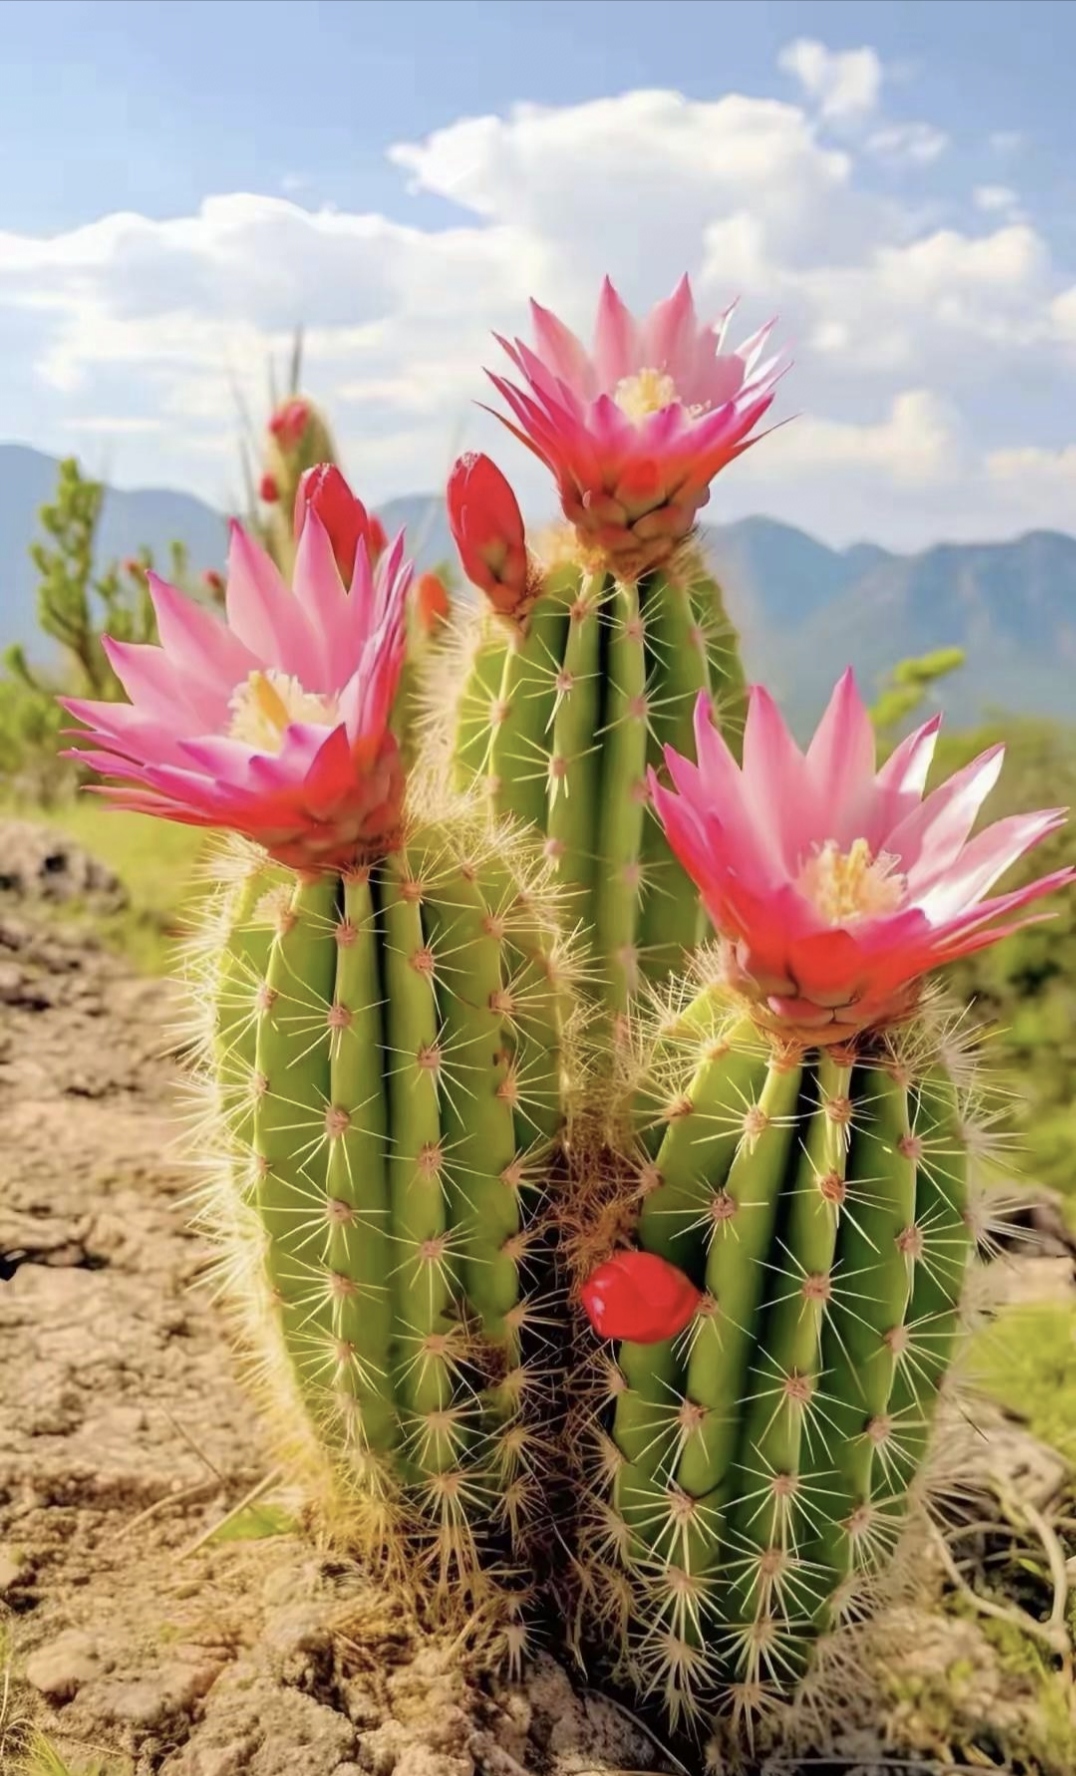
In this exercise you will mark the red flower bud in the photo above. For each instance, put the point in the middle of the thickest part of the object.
(638, 1296)
(431, 603)
(323, 490)
(213, 582)
(268, 490)
(488, 531)
(289, 423)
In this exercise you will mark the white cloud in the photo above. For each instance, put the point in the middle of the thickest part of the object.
(898, 326)
(908, 144)
(115, 425)
(843, 83)
(1036, 485)
(995, 199)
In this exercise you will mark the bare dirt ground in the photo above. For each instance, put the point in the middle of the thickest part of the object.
(124, 1441)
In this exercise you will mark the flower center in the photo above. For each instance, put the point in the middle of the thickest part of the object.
(267, 703)
(648, 391)
(849, 885)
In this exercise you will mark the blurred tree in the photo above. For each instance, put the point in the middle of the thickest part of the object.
(76, 605)
(908, 685)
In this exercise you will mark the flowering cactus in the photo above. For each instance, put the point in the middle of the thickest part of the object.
(385, 990)
(635, 431)
(771, 1222)
(801, 1155)
(583, 672)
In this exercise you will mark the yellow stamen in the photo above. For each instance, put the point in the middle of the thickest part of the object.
(648, 391)
(850, 885)
(268, 702)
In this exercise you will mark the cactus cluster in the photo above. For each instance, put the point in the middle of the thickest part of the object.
(449, 1127)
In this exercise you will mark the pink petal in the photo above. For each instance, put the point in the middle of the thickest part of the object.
(932, 836)
(123, 726)
(615, 340)
(566, 356)
(161, 689)
(318, 590)
(899, 785)
(841, 761)
(668, 335)
(199, 642)
(776, 785)
(987, 910)
(984, 860)
(266, 617)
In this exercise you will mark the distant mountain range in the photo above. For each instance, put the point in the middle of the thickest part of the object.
(805, 611)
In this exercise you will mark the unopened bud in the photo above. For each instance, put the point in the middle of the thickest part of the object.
(487, 527)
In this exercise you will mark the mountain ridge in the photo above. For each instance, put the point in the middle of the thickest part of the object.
(805, 610)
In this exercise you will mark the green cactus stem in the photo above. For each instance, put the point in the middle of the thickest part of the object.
(749, 1480)
(384, 1056)
(560, 716)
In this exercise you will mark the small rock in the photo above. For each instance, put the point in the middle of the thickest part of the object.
(220, 1760)
(150, 1701)
(60, 1667)
(39, 863)
(425, 1760)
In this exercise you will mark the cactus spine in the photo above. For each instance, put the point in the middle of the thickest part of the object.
(383, 1050)
(749, 1481)
(563, 711)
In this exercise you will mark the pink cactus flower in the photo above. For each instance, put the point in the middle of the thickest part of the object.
(835, 887)
(274, 722)
(636, 430)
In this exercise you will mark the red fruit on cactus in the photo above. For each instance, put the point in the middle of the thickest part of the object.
(487, 527)
(431, 603)
(268, 491)
(323, 490)
(289, 423)
(640, 1297)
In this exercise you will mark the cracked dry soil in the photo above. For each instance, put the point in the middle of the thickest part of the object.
(124, 1440)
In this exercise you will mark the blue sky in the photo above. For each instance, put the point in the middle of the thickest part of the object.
(895, 178)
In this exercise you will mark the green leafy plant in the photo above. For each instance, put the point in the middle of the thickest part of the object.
(909, 684)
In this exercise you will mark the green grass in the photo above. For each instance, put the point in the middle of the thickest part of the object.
(154, 859)
(1027, 1361)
